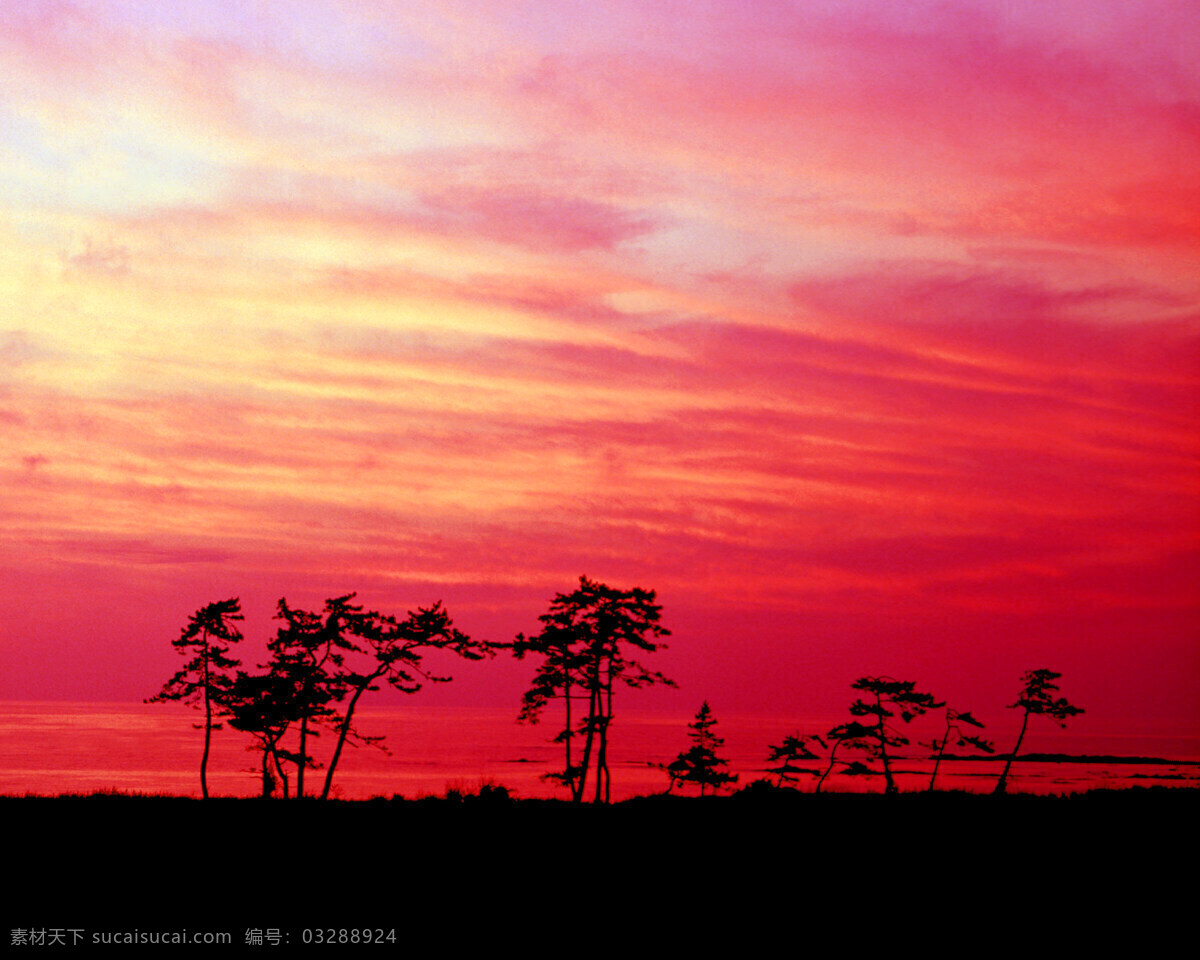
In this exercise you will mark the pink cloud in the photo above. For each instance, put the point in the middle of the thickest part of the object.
(538, 221)
(136, 551)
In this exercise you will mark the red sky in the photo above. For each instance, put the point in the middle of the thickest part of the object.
(867, 334)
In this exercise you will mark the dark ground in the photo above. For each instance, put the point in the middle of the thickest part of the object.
(833, 873)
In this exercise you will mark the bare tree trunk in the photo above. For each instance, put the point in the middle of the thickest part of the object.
(593, 708)
(829, 769)
(607, 724)
(567, 771)
(283, 777)
(602, 776)
(268, 781)
(889, 783)
(571, 775)
(207, 742)
(938, 762)
(601, 768)
(303, 761)
(306, 707)
(207, 722)
(344, 732)
(1002, 783)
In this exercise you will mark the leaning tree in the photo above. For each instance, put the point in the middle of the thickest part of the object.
(394, 652)
(793, 749)
(955, 720)
(1037, 698)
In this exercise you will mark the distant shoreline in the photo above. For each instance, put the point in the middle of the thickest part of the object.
(768, 795)
(1069, 758)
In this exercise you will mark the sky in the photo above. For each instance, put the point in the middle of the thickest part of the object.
(867, 334)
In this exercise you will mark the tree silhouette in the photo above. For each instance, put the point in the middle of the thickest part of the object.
(699, 764)
(204, 680)
(307, 656)
(262, 706)
(318, 659)
(558, 677)
(396, 650)
(853, 735)
(954, 719)
(793, 749)
(585, 644)
(1037, 697)
(885, 697)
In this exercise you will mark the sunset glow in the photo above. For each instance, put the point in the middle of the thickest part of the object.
(867, 334)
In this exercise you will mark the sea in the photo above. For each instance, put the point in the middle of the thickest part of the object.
(50, 748)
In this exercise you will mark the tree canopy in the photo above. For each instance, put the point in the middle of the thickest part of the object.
(321, 663)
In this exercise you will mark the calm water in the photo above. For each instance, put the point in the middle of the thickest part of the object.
(51, 748)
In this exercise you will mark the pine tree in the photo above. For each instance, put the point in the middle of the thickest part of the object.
(1037, 697)
(699, 764)
(793, 749)
(204, 681)
(396, 650)
(307, 654)
(885, 698)
(853, 735)
(586, 644)
(954, 720)
(321, 660)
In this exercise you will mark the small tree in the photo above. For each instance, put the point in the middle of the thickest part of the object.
(885, 698)
(954, 719)
(699, 764)
(1037, 697)
(204, 680)
(853, 735)
(792, 750)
